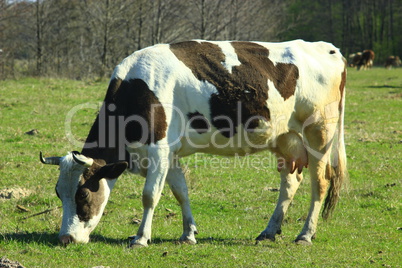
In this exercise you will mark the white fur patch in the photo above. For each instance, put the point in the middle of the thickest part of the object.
(231, 59)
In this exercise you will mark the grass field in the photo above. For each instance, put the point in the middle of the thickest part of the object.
(231, 204)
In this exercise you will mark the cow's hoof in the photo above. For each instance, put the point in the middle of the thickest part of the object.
(137, 245)
(188, 241)
(138, 242)
(303, 242)
(263, 236)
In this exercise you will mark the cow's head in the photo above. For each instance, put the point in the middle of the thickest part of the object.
(84, 186)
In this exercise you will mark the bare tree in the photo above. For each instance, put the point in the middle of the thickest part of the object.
(16, 37)
(39, 48)
(87, 38)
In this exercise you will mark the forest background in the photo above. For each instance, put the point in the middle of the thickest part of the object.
(85, 39)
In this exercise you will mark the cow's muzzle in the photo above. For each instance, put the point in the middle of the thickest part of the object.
(66, 239)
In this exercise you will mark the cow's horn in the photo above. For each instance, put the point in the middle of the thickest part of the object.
(49, 160)
(82, 160)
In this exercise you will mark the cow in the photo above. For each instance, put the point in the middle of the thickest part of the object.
(228, 98)
(394, 61)
(355, 58)
(367, 60)
(362, 60)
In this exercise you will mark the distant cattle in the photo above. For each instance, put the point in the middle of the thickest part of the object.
(354, 59)
(367, 59)
(392, 61)
(227, 98)
(362, 60)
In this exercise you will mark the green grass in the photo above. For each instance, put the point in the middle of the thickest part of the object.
(231, 205)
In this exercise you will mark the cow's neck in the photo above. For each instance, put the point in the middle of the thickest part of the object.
(101, 142)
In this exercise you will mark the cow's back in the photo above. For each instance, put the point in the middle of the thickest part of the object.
(236, 97)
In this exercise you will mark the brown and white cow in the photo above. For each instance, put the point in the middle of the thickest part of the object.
(362, 60)
(355, 58)
(228, 98)
(392, 61)
(367, 60)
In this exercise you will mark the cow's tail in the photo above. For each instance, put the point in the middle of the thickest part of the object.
(336, 172)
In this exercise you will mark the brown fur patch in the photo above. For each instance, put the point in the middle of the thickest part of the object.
(198, 122)
(143, 115)
(135, 98)
(114, 86)
(255, 62)
(242, 94)
(90, 193)
(342, 89)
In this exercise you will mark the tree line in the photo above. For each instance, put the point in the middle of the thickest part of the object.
(82, 39)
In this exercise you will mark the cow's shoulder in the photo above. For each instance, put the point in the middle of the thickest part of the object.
(138, 108)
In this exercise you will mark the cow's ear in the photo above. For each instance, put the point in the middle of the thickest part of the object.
(113, 171)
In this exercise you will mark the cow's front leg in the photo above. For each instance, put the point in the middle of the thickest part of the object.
(158, 165)
(177, 183)
(289, 185)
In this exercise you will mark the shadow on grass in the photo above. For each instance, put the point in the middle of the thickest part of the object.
(215, 241)
(383, 86)
(51, 239)
(39, 238)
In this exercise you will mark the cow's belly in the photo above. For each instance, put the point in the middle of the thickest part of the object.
(242, 143)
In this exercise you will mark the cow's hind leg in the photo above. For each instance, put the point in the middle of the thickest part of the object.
(318, 146)
(157, 170)
(292, 157)
(177, 183)
(289, 184)
(319, 187)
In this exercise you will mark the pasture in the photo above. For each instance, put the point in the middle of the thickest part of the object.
(232, 198)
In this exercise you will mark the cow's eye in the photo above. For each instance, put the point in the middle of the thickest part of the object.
(82, 194)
